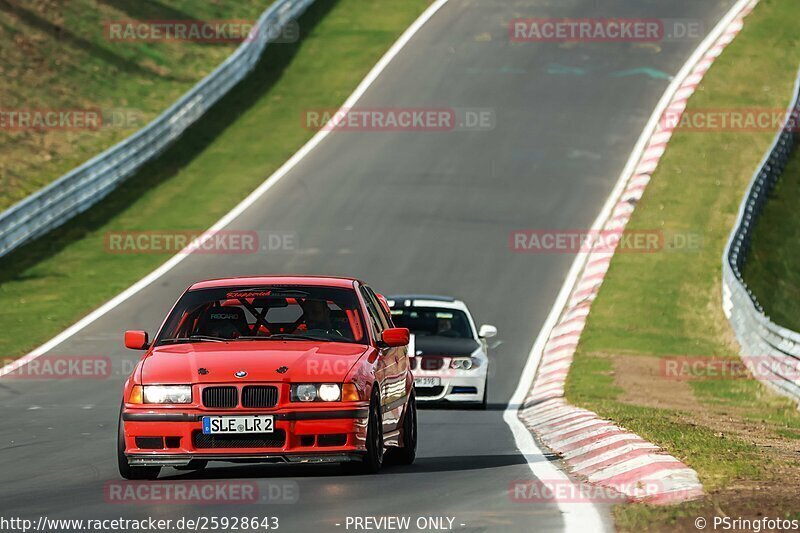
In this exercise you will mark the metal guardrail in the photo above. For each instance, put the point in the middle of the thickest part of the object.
(762, 341)
(84, 186)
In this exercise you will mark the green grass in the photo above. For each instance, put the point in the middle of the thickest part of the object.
(56, 55)
(669, 303)
(772, 270)
(61, 277)
(591, 384)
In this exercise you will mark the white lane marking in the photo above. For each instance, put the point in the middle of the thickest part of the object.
(587, 517)
(239, 209)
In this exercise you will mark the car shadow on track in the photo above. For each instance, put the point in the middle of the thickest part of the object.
(445, 406)
(421, 465)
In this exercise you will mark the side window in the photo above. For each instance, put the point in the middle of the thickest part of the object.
(386, 320)
(374, 314)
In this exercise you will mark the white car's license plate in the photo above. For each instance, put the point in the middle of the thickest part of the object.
(216, 425)
(427, 382)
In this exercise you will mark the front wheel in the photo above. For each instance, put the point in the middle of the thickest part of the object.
(407, 454)
(126, 470)
(373, 458)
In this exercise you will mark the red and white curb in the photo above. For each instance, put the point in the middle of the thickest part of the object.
(597, 449)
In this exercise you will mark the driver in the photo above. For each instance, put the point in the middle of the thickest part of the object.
(317, 316)
(444, 328)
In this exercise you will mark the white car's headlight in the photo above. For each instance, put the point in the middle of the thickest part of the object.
(167, 394)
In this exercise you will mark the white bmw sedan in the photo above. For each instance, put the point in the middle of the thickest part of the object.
(450, 359)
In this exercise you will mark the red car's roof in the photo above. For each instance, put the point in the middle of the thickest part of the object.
(322, 281)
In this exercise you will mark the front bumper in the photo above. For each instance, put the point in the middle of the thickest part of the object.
(459, 389)
(294, 458)
(170, 437)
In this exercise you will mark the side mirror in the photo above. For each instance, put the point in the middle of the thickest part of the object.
(395, 336)
(487, 331)
(136, 340)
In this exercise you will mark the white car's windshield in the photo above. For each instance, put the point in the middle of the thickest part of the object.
(431, 321)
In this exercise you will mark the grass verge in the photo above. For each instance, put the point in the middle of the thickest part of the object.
(55, 55)
(739, 437)
(771, 270)
(229, 152)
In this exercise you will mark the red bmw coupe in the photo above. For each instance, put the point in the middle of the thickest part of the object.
(299, 369)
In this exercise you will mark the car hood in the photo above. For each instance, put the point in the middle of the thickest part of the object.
(433, 345)
(303, 361)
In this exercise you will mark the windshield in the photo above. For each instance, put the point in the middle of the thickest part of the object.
(433, 322)
(260, 313)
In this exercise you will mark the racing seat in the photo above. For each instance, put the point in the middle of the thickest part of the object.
(225, 322)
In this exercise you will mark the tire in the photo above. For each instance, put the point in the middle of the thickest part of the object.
(485, 401)
(373, 458)
(407, 454)
(125, 470)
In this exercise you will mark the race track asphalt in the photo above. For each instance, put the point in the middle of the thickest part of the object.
(406, 211)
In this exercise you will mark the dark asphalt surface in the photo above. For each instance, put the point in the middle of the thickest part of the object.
(407, 212)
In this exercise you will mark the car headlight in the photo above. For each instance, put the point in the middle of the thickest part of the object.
(313, 392)
(463, 363)
(166, 394)
(330, 392)
(304, 393)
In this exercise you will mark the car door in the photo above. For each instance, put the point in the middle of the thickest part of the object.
(393, 382)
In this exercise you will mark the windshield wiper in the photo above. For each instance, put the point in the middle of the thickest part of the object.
(195, 338)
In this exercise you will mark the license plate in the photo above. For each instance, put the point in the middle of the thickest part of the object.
(224, 425)
(427, 382)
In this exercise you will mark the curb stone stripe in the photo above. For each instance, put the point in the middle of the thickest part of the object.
(593, 448)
